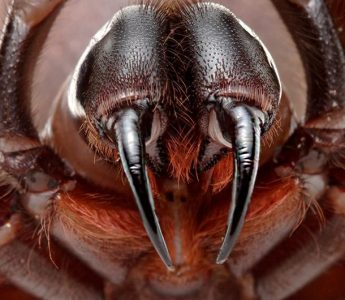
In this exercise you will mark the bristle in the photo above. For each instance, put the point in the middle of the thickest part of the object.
(169, 6)
(98, 144)
(222, 174)
(308, 203)
(102, 219)
(183, 150)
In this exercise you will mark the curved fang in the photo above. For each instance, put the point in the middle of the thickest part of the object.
(132, 153)
(245, 137)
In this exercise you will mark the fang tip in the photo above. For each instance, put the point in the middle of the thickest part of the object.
(245, 137)
(131, 148)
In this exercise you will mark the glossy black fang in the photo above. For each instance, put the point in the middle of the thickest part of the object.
(131, 148)
(245, 138)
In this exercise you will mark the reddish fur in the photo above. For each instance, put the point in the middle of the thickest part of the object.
(222, 174)
(114, 223)
(103, 219)
(183, 151)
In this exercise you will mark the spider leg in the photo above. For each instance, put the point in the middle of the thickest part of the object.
(323, 56)
(26, 27)
(322, 53)
(304, 263)
(27, 268)
(315, 148)
(24, 159)
(97, 260)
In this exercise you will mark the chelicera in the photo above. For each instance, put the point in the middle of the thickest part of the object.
(169, 165)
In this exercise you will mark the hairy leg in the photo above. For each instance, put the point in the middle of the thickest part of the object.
(320, 149)
(29, 268)
(23, 159)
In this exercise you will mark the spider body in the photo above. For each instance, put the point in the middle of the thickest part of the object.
(169, 166)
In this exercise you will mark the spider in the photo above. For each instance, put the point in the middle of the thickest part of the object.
(170, 164)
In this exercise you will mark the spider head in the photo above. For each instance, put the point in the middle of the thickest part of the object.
(178, 93)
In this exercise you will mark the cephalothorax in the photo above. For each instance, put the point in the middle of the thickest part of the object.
(174, 118)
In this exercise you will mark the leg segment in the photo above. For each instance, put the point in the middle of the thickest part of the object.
(322, 53)
(317, 147)
(310, 260)
(27, 268)
(27, 25)
(24, 158)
